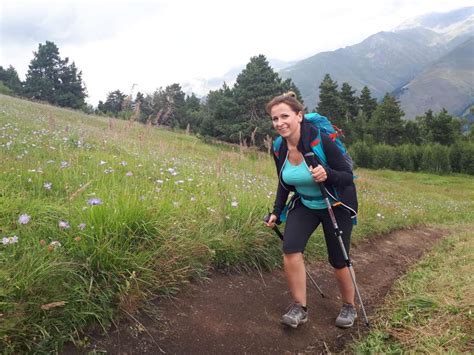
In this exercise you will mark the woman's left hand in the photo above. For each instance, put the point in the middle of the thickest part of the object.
(319, 174)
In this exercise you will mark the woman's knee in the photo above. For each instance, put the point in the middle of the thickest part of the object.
(292, 259)
(337, 263)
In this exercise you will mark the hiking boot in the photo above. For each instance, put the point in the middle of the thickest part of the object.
(295, 316)
(347, 316)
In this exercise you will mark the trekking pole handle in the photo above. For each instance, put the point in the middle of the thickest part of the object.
(321, 185)
(275, 228)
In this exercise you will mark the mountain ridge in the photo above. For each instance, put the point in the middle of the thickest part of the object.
(385, 62)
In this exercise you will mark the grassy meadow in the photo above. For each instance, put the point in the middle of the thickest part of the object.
(98, 215)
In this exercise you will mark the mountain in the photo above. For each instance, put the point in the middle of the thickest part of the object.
(388, 61)
(380, 62)
(447, 83)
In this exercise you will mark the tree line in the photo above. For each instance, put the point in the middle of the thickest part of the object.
(237, 114)
(49, 78)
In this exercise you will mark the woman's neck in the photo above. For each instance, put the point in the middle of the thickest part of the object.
(292, 142)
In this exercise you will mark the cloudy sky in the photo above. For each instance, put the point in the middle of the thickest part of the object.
(156, 43)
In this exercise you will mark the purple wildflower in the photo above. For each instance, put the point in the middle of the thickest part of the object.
(24, 219)
(9, 240)
(48, 185)
(64, 225)
(94, 201)
(172, 171)
(129, 173)
(82, 226)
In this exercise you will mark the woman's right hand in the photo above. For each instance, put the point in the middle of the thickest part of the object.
(271, 221)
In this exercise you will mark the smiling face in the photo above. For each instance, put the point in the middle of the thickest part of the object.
(286, 121)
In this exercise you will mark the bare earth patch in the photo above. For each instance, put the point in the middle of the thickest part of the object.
(237, 314)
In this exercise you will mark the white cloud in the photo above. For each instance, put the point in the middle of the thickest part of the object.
(155, 43)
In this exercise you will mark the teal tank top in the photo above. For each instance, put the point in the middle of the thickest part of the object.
(300, 177)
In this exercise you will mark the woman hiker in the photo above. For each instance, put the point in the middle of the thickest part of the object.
(307, 209)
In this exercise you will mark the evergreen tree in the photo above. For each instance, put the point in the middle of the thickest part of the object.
(443, 128)
(158, 105)
(147, 113)
(192, 103)
(70, 92)
(412, 133)
(221, 113)
(424, 123)
(10, 79)
(192, 113)
(174, 114)
(255, 86)
(113, 104)
(51, 79)
(350, 110)
(330, 103)
(140, 99)
(288, 85)
(386, 124)
(359, 128)
(349, 102)
(367, 103)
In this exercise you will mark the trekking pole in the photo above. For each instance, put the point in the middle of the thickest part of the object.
(348, 261)
(280, 235)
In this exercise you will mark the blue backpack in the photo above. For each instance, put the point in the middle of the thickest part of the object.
(325, 126)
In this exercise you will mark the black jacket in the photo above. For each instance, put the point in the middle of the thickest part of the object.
(339, 174)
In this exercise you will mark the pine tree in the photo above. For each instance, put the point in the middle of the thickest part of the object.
(412, 133)
(192, 113)
(443, 128)
(257, 84)
(330, 103)
(288, 85)
(349, 102)
(70, 92)
(221, 113)
(113, 104)
(10, 79)
(174, 114)
(386, 124)
(359, 128)
(51, 79)
(350, 110)
(367, 103)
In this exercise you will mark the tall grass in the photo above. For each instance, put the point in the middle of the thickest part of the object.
(167, 208)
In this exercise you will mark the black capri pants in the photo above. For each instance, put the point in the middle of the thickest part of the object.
(302, 221)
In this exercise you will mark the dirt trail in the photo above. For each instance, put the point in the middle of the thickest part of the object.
(240, 314)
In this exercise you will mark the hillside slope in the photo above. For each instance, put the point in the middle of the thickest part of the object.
(448, 83)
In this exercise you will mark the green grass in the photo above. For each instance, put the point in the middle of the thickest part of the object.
(430, 309)
(172, 209)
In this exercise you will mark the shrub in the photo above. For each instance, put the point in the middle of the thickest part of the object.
(436, 159)
(361, 154)
(467, 159)
(382, 156)
(397, 162)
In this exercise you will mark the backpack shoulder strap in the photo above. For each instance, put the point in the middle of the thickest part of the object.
(276, 146)
(317, 147)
